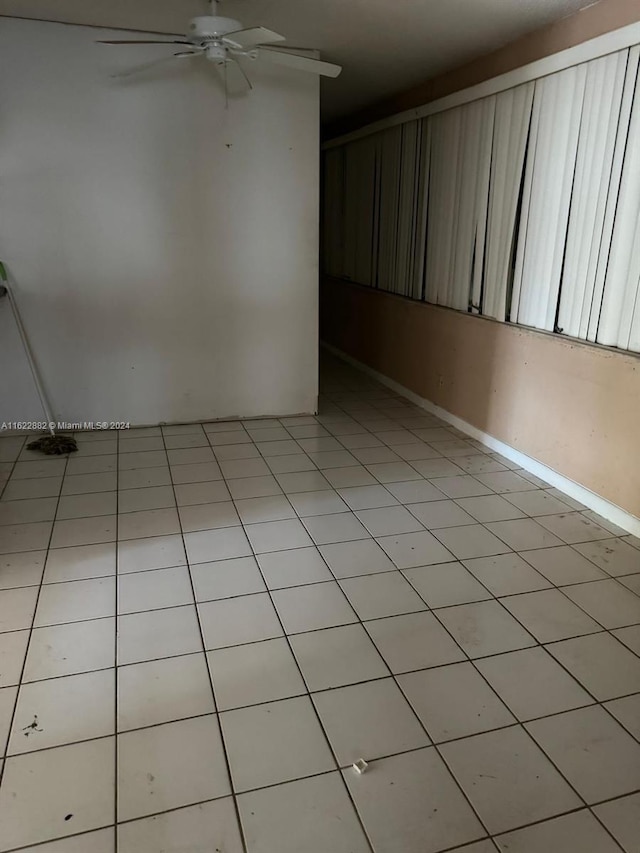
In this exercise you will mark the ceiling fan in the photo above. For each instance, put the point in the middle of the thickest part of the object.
(224, 42)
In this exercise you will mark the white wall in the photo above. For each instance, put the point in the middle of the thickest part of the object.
(163, 249)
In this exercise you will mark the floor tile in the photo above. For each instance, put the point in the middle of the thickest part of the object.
(64, 710)
(537, 502)
(393, 472)
(254, 487)
(129, 445)
(256, 510)
(8, 696)
(158, 634)
(81, 484)
(190, 456)
(157, 552)
(563, 565)
(232, 621)
(22, 512)
(389, 521)
(410, 803)
(349, 559)
(622, 819)
(277, 535)
(414, 641)
(437, 514)
(388, 594)
(100, 841)
(41, 468)
(190, 494)
(506, 574)
(408, 550)
(196, 439)
(84, 531)
(226, 578)
(461, 486)
(598, 757)
(154, 589)
(134, 500)
(302, 481)
(200, 472)
(508, 779)
(208, 516)
(415, 491)
(472, 540)
(323, 502)
(491, 508)
(605, 667)
(254, 673)
(77, 465)
(293, 568)
(627, 712)
(309, 608)
(368, 720)
(171, 765)
(17, 607)
(24, 489)
(142, 478)
(137, 459)
(339, 527)
(439, 468)
(506, 481)
(26, 537)
(228, 452)
(205, 826)
(566, 834)
(161, 691)
(314, 815)
(69, 649)
(274, 743)
(348, 476)
(608, 602)
(573, 527)
(446, 584)
(240, 468)
(143, 524)
(454, 701)
(377, 456)
(73, 786)
(630, 637)
(484, 628)
(523, 534)
(479, 463)
(368, 497)
(291, 464)
(209, 545)
(615, 556)
(549, 615)
(13, 650)
(532, 684)
(75, 601)
(337, 656)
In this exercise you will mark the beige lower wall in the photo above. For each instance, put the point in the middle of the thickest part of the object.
(573, 407)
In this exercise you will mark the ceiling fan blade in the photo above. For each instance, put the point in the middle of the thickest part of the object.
(302, 63)
(251, 37)
(143, 41)
(137, 68)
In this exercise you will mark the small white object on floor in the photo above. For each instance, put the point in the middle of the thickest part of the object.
(360, 766)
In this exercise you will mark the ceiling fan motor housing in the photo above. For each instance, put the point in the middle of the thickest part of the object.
(209, 28)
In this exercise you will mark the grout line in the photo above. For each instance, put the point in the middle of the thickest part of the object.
(12, 718)
(211, 687)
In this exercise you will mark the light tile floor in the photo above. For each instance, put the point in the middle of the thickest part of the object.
(203, 626)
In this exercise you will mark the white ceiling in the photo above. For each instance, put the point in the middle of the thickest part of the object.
(385, 46)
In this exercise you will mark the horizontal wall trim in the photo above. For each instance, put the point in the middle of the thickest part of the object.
(556, 336)
(607, 509)
(593, 49)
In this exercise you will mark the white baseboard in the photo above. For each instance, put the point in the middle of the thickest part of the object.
(613, 513)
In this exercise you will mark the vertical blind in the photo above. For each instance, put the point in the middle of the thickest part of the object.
(522, 206)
